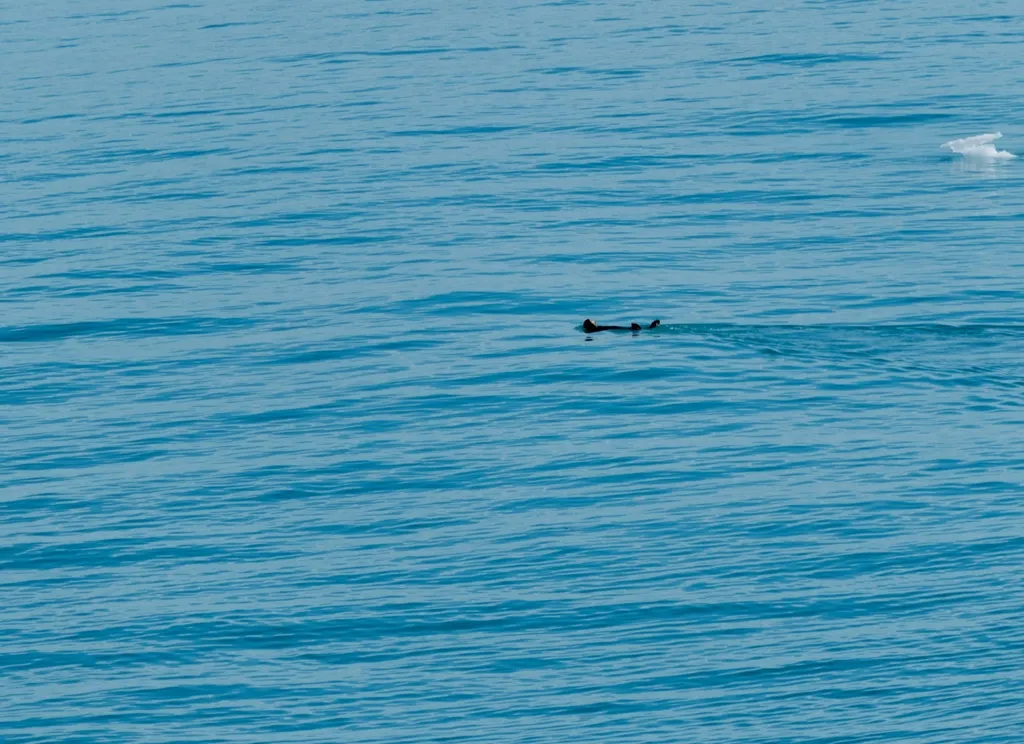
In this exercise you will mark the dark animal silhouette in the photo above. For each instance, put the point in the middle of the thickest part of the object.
(591, 327)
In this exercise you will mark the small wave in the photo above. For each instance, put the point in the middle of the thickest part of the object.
(979, 147)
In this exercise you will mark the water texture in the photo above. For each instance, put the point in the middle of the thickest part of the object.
(301, 439)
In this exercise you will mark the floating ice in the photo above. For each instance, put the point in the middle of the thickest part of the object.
(979, 147)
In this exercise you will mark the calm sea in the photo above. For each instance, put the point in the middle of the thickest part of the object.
(301, 439)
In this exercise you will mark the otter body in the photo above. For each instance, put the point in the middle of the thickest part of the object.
(590, 326)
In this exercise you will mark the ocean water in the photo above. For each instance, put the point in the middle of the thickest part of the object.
(301, 439)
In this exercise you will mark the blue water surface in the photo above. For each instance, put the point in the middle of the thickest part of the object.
(301, 439)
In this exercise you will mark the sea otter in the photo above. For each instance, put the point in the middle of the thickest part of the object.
(591, 327)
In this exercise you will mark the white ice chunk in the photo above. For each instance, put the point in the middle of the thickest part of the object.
(979, 147)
